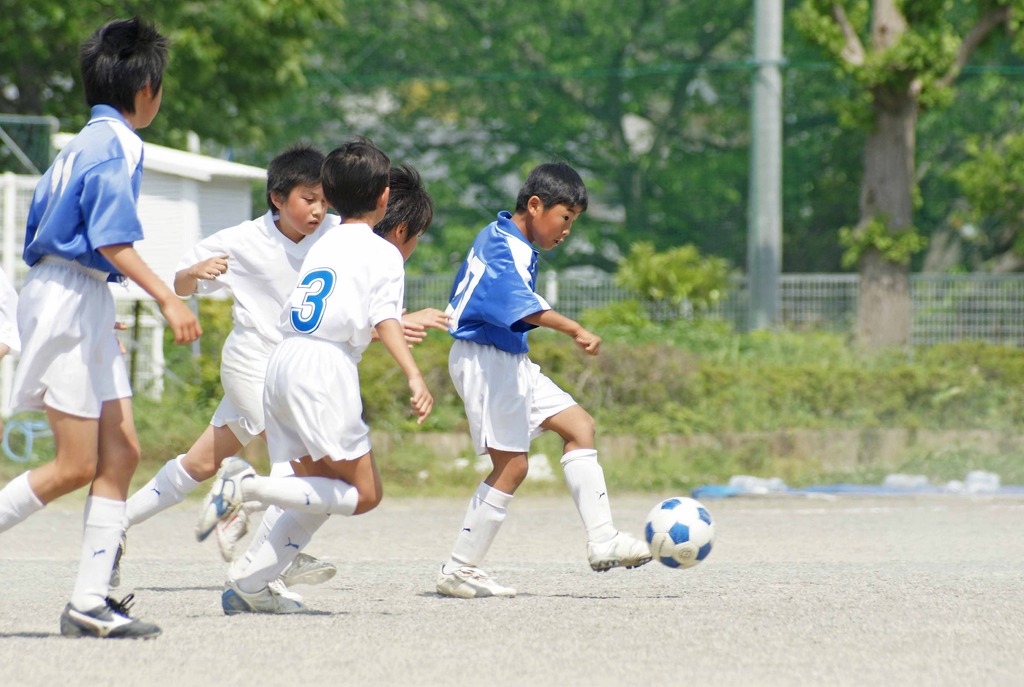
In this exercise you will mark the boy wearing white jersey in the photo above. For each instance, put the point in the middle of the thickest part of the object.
(351, 284)
(257, 263)
(82, 225)
(493, 304)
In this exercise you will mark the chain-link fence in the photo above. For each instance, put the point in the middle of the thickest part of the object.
(946, 308)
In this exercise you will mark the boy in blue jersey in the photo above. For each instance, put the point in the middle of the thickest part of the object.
(81, 228)
(508, 400)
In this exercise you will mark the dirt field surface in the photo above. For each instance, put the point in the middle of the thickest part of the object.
(846, 590)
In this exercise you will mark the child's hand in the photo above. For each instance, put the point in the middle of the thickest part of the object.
(590, 343)
(414, 325)
(209, 269)
(182, 321)
(421, 400)
(119, 327)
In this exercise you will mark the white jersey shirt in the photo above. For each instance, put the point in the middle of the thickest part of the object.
(262, 268)
(351, 281)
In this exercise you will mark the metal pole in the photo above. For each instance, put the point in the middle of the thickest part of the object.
(764, 219)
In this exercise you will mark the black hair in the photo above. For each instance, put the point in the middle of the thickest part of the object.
(409, 204)
(298, 165)
(554, 183)
(120, 59)
(354, 175)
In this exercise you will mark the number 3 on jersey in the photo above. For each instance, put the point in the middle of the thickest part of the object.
(318, 285)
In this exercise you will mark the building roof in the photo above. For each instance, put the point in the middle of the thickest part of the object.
(184, 164)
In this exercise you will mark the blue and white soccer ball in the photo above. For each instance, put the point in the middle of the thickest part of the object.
(680, 532)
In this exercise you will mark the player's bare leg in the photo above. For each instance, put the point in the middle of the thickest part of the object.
(461, 575)
(205, 456)
(176, 479)
(105, 452)
(606, 547)
(319, 488)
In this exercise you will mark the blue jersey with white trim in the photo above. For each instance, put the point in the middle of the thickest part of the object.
(496, 288)
(87, 198)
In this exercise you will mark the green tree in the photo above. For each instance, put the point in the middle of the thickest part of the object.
(905, 57)
(647, 99)
(231, 62)
(993, 184)
(984, 229)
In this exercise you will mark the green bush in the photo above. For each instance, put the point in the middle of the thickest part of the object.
(680, 377)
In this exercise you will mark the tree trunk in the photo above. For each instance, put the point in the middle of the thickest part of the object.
(883, 313)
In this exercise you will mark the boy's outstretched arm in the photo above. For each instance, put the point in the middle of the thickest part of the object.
(393, 338)
(416, 324)
(589, 342)
(186, 281)
(180, 318)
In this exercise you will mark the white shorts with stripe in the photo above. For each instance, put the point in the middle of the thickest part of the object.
(506, 396)
(312, 402)
(70, 359)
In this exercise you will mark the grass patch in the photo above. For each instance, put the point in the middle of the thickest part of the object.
(652, 380)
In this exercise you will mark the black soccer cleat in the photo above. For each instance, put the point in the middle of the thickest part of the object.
(107, 622)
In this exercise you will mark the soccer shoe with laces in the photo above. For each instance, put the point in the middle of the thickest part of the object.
(235, 601)
(115, 572)
(225, 497)
(278, 587)
(469, 582)
(306, 569)
(110, 621)
(621, 551)
(229, 532)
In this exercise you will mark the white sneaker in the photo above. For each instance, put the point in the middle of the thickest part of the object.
(230, 531)
(278, 587)
(469, 582)
(621, 551)
(225, 497)
(306, 569)
(235, 601)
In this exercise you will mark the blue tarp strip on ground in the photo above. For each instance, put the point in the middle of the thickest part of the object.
(717, 491)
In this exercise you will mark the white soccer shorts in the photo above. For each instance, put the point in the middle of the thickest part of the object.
(505, 395)
(243, 372)
(312, 402)
(70, 359)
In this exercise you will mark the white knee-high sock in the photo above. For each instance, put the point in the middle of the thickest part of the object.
(487, 510)
(167, 488)
(289, 535)
(17, 502)
(102, 533)
(585, 478)
(270, 516)
(306, 494)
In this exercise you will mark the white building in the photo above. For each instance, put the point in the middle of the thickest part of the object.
(184, 198)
